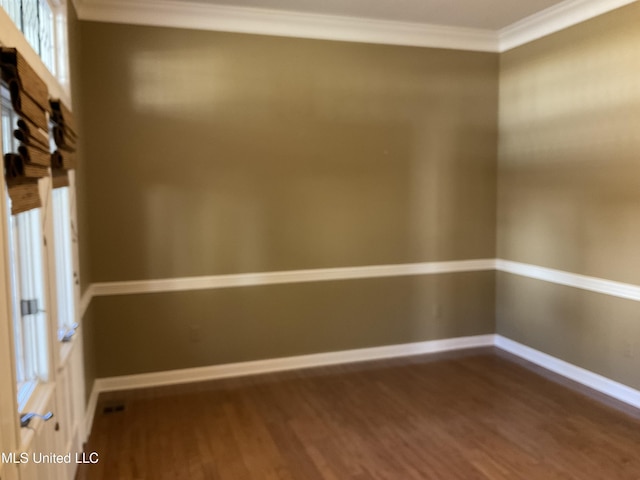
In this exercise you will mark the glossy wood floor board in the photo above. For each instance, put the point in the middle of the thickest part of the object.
(477, 414)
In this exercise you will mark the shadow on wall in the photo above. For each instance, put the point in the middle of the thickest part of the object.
(569, 119)
(176, 330)
(241, 153)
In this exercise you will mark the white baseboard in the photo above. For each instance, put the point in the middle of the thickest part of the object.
(173, 377)
(592, 380)
(189, 375)
(91, 411)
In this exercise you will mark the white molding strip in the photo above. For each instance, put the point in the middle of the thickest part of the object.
(202, 16)
(554, 19)
(584, 282)
(215, 372)
(592, 380)
(85, 300)
(290, 276)
(91, 411)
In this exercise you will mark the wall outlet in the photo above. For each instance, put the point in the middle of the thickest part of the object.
(630, 349)
(195, 333)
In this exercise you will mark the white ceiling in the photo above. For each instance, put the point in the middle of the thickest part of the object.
(479, 14)
(479, 25)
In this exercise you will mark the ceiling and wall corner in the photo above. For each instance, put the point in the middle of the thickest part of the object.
(437, 24)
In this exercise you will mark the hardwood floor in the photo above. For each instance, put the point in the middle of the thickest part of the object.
(466, 415)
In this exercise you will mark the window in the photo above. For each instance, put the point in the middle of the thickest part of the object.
(27, 291)
(35, 20)
(64, 263)
(29, 319)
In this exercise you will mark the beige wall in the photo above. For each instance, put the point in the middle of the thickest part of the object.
(82, 206)
(213, 153)
(568, 189)
(155, 332)
(217, 153)
(569, 142)
(597, 332)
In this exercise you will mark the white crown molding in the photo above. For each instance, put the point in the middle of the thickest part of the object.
(554, 19)
(592, 380)
(584, 282)
(202, 16)
(291, 276)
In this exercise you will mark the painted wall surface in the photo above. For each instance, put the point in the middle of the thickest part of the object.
(164, 331)
(83, 214)
(568, 189)
(569, 142)
(212, 153)
(600, 333)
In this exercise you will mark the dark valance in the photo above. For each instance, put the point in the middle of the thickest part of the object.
(65, 137)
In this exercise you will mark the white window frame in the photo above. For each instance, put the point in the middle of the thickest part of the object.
(57, 76)
(12, 436)
(30, 331)
(27, 283)
(63, 248)
(46, 29)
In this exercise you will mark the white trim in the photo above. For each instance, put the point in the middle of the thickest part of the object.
(91, 411)
(592, 380)
(290, 276)
(554, 19)
(201, 16)
(584, 282)
(85, 300)
(215, 372)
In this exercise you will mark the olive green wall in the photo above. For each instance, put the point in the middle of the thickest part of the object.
(82, 207)
(213, 153)
(568, 190)
(164, 331)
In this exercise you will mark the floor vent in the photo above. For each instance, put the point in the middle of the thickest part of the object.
(113, 408)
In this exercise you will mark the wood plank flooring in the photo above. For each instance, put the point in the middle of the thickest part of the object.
(466, 415)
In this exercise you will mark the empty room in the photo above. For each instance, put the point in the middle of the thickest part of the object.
(320, 239)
